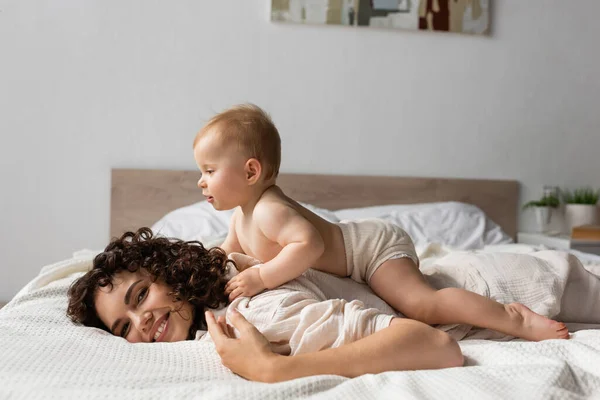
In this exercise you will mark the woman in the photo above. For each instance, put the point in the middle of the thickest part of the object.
(148, 289)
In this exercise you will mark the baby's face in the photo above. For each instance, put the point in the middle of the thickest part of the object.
(223, 180)
(142, 311)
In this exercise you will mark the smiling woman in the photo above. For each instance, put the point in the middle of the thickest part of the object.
(153, 289)
(147, 288)
(140, 310)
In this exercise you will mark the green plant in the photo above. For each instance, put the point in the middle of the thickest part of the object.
(546, 201)
(584, 195)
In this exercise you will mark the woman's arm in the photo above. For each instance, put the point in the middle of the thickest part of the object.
(405, 345)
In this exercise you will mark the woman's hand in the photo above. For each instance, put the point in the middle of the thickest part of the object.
(250, 355)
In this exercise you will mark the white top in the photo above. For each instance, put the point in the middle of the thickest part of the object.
(313, 312)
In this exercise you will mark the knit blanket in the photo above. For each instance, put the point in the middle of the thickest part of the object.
(46, 356)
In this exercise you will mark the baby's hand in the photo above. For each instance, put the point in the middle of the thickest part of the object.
(246, 283)
(243, 261)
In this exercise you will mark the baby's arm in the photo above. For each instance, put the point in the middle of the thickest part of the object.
(231, 243)
(301, 243)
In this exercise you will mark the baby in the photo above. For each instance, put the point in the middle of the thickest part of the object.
(239, 153)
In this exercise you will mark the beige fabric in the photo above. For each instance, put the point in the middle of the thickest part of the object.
(371, 242)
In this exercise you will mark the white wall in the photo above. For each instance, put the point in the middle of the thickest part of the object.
(87, 85)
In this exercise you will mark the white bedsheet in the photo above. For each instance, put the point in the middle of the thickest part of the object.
(44, 356)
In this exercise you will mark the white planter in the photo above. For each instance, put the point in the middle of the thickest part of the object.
(580, 214)
(542, 217)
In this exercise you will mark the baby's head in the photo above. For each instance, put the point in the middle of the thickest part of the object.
(238, 151)
(147, 288)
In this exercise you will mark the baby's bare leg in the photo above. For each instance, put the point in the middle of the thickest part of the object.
(400, 283)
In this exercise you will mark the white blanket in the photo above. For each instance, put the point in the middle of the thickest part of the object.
(552, 283)
(45, 356)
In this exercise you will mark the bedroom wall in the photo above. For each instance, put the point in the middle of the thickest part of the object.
(87, 85)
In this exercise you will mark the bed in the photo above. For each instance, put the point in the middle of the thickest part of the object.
(45, 356)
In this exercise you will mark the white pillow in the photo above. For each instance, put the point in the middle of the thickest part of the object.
(459, 225)
(200, 221)
(322, 212)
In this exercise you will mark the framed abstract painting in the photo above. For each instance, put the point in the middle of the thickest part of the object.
(459, 16)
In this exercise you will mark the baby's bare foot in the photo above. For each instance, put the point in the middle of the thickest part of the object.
(534, 326)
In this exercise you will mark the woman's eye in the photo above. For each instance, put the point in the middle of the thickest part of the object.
(141, 295)
(125, 330)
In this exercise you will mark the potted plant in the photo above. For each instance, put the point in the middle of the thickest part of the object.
(581, 207)
(543, 209)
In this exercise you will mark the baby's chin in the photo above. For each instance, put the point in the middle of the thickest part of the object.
(218, 207)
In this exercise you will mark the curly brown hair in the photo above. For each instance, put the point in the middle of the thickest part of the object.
(195, 274)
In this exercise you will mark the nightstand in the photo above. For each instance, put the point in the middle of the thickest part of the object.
(554, 241)
(559, 242)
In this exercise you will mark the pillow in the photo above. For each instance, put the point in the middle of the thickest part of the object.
(321, 212)
(200, 221)
(459, 225)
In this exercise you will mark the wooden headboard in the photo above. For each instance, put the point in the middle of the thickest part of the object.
(140, 197)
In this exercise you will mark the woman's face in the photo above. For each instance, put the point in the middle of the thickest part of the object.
(141, 310)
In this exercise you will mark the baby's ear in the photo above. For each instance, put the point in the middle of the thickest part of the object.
(253, 171)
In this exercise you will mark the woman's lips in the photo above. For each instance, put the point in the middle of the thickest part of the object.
(166, 328)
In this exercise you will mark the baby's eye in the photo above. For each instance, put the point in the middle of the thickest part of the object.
(210, 171)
